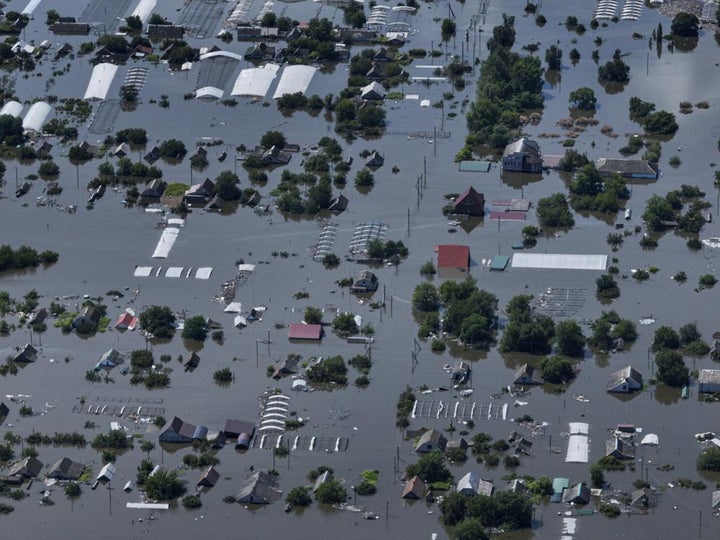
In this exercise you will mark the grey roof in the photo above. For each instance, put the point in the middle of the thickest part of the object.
(643, 498)
(66, 469)
(620, 449)
(522, 146)
(180, 427)
(209, 478)
(322, 479)
(414, 488)
(623, 375)
(472, 483)
(434, 437)
(579, 494)
(27, 354)
(526, 372)
(258, 488)
(4, 410)
(234, 427)
(373, 87)
(28, 467)
(625, 166)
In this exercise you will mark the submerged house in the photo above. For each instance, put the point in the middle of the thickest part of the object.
(365, 281)
(375, 160)
(414, 489)
(338, 204)
(209, 478)
(460, 372)
(709, 381)
(471, 484)
(200, 193)
(470, 203)
(627, 168)
(276, 156)
(126, 321)
(88, 318)
(258, 488)
(373, 91)
(312, 332)
(153, 190)
(453, 256)
(578, 494)
(108, 360)
(66, 469)
(619, 449)
(324, 478)
(643, 498)
(431, 440)
(29, 467)
(624, 380)
(525, 376)
(26, 355)
(177, 431)
(522, 155)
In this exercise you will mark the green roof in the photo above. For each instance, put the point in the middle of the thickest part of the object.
(499, 262)
(475, 166)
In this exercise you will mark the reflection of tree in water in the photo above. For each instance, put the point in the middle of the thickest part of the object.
(666, 395)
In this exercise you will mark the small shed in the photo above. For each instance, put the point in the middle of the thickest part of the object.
(191, 361)
(414, 489)
(431, 440)
(106, 473)
(375, 160)
(715, 500)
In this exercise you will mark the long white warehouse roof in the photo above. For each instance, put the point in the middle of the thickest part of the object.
(255, 81)
(144, 9)
(294, 79)
(35, 117)
(100, 81)
(13, 108)
(559, 261)
(208, 92)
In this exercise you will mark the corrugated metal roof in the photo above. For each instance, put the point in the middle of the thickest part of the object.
(305, 331)
(559, 261)
(453, 256)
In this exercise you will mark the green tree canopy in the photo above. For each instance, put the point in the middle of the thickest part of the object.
(583, 98)
(685, 25)
(671, 368)
(430, 467)
(158, 321)
(570, 340)
(426, 298)
(195, 328)
(164, 486)
(556, 369)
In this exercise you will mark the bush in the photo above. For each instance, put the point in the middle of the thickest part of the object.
(299, 496)
(709, 460)
(191, 501)
(331, 492)
(223, 375)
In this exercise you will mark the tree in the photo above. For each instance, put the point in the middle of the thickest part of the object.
(672, 369)
(685, 25)
(475, 330)
(172, 149)
(553, 57)
(195, 328)
(525, 331)
(426, 298)
(48, 168)
(164, 485)
(52, 17)
(448, 28)
(470, 529)
(371, 116)
(226, 186)
(313, 315)
(583, 98)
(269, 20)
(607, 287)
(134, 23)
(11, 130)
(331, 492)
(709, 460)
(114, 44)
(689, 333)
(73, 490)
(430, 468)
(320, 195)
(157, 321)
(615, 70)
(661, 122)
(558, 370)
(665, 338)
(147, 447)
(364, 178)
(554, 211)
(597, 475)
(345, 111)
(299, 496)
(570, 339)
(453, 508)
(657, 211)
(273, 138)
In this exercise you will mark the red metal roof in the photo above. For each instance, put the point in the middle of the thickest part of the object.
(126, 320)
(305, 331)
(453, 256)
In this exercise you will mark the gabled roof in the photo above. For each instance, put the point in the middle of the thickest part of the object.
(258, 488)
(619, 449)
(578, 494)
(414, 488)
(324, 478)
(471, 483)
(526, 374)
(373, 88)
(622, 376)
(178, 426)
(66, 469)
(522, 146)
(234, 428)
(126, 320)
(209, 478)
(28, 467)
(626, 166)
(433, 437)
(709, 376)
(469, 197)
(453, 256)
(643, 498)
(27, 354)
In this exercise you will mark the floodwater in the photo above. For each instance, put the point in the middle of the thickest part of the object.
(100, 248)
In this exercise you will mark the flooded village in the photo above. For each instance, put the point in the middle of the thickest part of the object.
(412, 270)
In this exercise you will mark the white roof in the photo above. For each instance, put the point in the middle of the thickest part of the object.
(108, 471)
(36, 115)
(13, 108)
(144, 9)
(239, 321)
(208, 92)
(165, 244)
(100, 81)
(578, 450)
(174, 272)
(255, 81)
(233, 307)
(294, 79)
(143, 271)
(246, 267)
(30, 7)
(650, 439)
(203, 273)
(373, 86)
(226, 54)
(579, 428)
(299, 383)
(147, 506)
(425, 103)
(559, 261)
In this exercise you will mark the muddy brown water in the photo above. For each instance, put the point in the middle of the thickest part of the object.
(100, 248)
